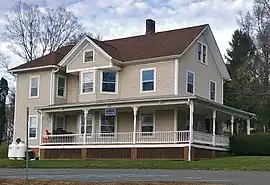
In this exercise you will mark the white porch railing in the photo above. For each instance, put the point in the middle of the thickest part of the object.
(222, 141)
(164, 137)
(202, 138)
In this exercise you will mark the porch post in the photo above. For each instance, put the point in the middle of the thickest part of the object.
(41, 128)
(248, 126)
(135, 110)
(85, 124)
(232, 122)
(214, 126)
(191, 111)
(175, 115)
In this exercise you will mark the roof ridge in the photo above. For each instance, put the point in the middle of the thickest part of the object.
(135, 36)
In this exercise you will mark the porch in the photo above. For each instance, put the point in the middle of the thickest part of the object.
(157, 123)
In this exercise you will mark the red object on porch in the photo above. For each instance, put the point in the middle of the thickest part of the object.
(45, 139)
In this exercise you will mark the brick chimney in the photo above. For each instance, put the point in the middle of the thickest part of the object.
(150, 26)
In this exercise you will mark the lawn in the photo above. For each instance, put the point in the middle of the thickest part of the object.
(255, 163)
(47, 182)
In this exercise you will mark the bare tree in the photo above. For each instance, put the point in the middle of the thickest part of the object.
(33, 33)
(257, 24)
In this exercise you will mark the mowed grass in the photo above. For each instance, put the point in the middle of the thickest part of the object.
(252, 163)
(51, 182)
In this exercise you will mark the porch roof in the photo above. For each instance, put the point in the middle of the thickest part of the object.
(146, 101)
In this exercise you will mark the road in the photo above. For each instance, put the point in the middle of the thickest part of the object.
(107, 175)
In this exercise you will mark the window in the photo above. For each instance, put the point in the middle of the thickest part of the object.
(109, 83)
(88, 56)
(147, 124)
(61, 86)
(34, 86)
(202, 53)
(107, 125)
(33, 126)
(88, 124)
(87, 82)
(190, 82)
(60, 122)
(212, 90)
(148, 80)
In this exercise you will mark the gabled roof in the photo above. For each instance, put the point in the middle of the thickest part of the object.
(159, 44)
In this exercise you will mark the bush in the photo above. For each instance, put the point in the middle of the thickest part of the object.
(256, 144)
(3, 150)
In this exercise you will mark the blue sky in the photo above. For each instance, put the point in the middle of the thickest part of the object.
(121, 18)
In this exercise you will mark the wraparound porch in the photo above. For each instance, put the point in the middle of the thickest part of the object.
(152, 122)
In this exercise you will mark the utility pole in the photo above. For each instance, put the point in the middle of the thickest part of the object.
(27, 127)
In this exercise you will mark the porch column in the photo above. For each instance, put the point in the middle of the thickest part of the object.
(175, 118)
(214, 126)
(135, 110)
(41, 128)
(248, 126)
(85, 124)
(191, 111)
(232, 122)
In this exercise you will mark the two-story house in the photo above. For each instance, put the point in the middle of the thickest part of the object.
(157, 95)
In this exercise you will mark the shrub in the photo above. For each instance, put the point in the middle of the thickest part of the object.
(3, 150)
(256, 144)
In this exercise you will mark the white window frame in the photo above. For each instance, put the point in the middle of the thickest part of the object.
(99, 127)
(116, 82)
(89, 50)
(211, 81)
(194, 81)
(201, 61)
(29, 118)
(94, 81)
(65, 88)
(81, 116)
(30, 86)
(141, 79)
(154, 124)
(64, 120)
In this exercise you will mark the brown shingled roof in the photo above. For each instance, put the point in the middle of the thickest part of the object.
(166, 43)
(52, 58)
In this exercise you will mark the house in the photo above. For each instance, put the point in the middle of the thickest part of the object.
(153, 96)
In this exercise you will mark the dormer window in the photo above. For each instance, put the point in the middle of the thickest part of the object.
(88, 56)
(202, 53)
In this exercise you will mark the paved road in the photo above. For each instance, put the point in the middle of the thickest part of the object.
(103, 175)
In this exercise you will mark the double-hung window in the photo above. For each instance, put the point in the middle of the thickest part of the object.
(33, 127)
(148, 80)
(190, 82)
(147, 124)
(88, 123)
(202, 53)
(34, 87)
(109, 81)
(87, 82)
(107, 125)
(60, 122)
(61, 86)
(88, 56)
(212, 90)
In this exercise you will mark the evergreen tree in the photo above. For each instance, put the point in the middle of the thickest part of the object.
(3, 95)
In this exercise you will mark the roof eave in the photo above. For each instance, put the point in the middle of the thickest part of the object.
(14, 70)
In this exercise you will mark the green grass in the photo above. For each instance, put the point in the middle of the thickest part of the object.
(3, 150)
(256, 163)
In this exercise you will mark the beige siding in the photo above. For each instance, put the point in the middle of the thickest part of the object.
(130, 79)
(23, 101)
(72, 88)
(99, 60)
(164, 120)
(125, 122)
(203, 73)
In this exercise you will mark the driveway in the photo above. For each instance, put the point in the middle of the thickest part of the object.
(108, 175)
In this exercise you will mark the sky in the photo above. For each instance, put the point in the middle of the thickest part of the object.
(122, 18)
